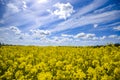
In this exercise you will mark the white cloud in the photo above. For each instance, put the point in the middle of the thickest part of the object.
(95, 38)
(4, 29)
(88, 19)
(28, 13)
(33, 15)
(117, 28)
(92, 6)
(85, 36)
(25, 36)
(15, 30)
(40, 33)
(39, 37)
(60, 40)
(95, 25)
(112, 36)
(102, 38)
(63, 11)
(42, 1)
(104, 9)
(114, 24)
(33, 37)
(90, 35)
(13, 8)
(24, 5)
(66, 35)
(79, 35)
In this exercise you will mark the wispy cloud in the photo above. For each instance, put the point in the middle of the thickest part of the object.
(66, 35)
(31, 16)
(117, 28)
(107, 8)
(88, 19)
(11, 9)
(92, 6)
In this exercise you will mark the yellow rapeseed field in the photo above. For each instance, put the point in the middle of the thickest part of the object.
(59, 63)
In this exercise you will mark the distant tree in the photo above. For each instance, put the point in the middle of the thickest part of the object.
(117, 44)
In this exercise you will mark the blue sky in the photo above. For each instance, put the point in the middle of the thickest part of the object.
(59, 22)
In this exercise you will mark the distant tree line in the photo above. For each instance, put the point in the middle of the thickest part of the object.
(111, 44)
(3, 44)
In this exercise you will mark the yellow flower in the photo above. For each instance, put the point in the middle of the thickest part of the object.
(44, 76)
(80, 74)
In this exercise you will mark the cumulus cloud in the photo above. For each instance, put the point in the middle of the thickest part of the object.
(15, 30)
(63, 11)
(86, 36)
(117, 28)
(30, 35)
(112, 36)
(95, 38)
(102, 38)
(37, 33)
(79, 35)
(90, 35)
(41, 32)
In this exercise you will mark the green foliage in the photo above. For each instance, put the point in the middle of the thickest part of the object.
(59, 63)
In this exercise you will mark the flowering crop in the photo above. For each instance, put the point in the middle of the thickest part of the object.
(59, 63)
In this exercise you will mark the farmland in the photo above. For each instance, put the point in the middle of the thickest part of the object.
(59, 63)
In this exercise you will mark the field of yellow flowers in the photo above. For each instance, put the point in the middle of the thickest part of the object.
(59, 63)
